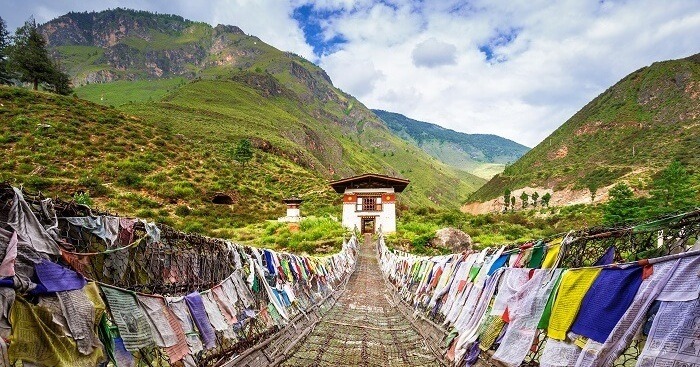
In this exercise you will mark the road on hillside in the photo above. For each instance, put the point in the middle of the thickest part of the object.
(363, 329)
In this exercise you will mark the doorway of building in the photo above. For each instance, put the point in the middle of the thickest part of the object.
(367, 225)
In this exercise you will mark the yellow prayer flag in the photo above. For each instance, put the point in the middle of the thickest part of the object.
(573, 287)
(37, 339)
(550, 258)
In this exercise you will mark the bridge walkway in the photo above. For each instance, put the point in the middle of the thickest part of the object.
(363, 328)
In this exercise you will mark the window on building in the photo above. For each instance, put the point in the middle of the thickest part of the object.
(369, 203)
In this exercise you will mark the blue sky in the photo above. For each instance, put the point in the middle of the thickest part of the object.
(516, 68)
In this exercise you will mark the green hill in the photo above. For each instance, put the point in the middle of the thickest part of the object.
(631, 131)
(244, 88)
(483, 155)
(167, 147)
(137, 166)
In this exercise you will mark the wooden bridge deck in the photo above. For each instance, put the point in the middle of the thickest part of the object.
(363, 328)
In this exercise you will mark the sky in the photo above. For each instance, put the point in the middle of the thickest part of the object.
(514, 68)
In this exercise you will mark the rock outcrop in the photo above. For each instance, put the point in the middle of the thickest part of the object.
(452, 238)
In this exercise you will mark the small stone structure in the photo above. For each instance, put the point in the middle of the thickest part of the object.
(293, 211)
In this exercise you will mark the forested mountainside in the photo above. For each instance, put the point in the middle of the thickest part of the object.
(483, 155)
(631, 131)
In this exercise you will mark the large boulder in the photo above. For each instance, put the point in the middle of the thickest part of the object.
(452, 238)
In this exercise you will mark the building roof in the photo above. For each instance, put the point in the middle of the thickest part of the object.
(292, 200)
(369, 181)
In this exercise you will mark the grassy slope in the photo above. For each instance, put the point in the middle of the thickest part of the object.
(286, 103)
(656, 110)
(236, 111)
(137, 166)
(164, 160)
(123, 91)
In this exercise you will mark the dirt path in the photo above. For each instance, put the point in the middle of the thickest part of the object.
(363, 329)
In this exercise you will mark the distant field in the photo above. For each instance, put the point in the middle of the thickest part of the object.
(122, 92)
(488, 170)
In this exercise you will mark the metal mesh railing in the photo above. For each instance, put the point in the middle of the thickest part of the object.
(667, 235)
(176, 264)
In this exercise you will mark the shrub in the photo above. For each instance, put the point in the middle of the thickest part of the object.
(129, 179)
(37, 183)
(93, 184)
(182, 210)
(178, 190)
(83, 198)
(195, 227)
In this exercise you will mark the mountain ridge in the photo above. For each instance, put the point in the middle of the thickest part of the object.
(629, 132)
(481, 154)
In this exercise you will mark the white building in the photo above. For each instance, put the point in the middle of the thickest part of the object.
(369, 201)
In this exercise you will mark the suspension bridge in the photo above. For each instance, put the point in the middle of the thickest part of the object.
(365, 306)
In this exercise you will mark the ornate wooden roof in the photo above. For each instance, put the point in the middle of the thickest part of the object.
(369, 181)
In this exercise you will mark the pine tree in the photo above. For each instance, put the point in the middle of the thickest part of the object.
(672, 190)
(545, 199)
(524, 198)
(5, 75)
(512, 203)
(592, 189)
(506, 199)
(622, 206)
(59, 82)
(243, 152)
(29, 59)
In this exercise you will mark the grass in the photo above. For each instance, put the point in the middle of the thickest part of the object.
(310, 122)
(281, 124)
(165, 148)
(123, 91)
(135, 166)
(148, 161)
(313, 235)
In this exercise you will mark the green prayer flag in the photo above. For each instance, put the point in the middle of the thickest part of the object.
(473, 272)
(544, 320)
(537, 257)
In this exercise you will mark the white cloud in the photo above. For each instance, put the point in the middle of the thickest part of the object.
(562, 56)
(432, 53)
(549, 58)
(357, 75)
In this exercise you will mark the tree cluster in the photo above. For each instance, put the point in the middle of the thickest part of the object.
(24, 58)
(509, 201)
(671, 191)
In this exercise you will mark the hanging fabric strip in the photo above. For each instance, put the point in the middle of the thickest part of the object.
(200, 318)
(23, 220)
(572, 288)
(596, 354)
(154, 308)
(132, 323)
(179, 307)
(525, 309)
(7, 268)
(674, 339)
(606, 301)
